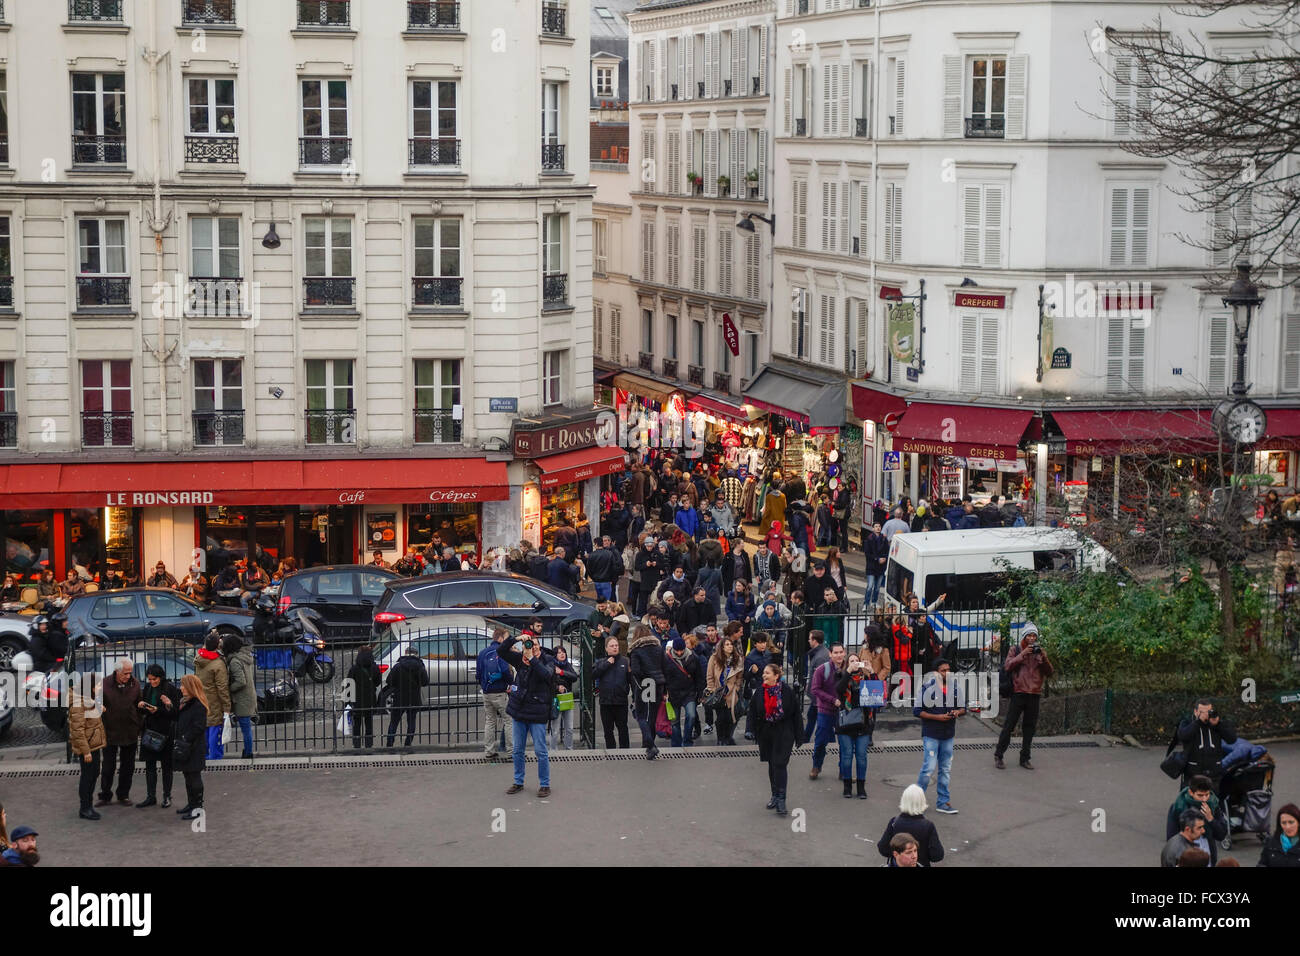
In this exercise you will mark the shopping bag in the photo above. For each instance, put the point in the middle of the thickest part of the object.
(564, 701)
(872, 694)
(345, 720)
(671, 711)
(227, 731)
(662, 724)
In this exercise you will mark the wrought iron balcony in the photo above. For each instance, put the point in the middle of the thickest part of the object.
(646, 361)
(860, 126)
(325, 291)
(695, 375)
(103, 290)
(670, 368)
(225, 427)
(433, 151)
(214, 296)
(8, 429)
(986, 127)
(331, 426)
(674, 90)
(212, 149)
(555, 288)
(324, 150)
(98, 150)
(99, 429)
(552, 156)
(208, 12)
(435, 426)
(726, 87)
(436, 291)
(6, 292)
(553, 20)
(324, 13)
(722, 381)
(801, 127)
(432, 15)
(95, 11)
(754, 83)
(864, 3)
(699, 89)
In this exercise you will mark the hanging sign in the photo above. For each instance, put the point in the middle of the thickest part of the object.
(901, 325)
(731, 334)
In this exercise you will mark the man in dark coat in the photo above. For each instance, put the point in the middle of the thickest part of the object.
(736, 564)
(605, 568)
(646, 661)
(1203, 736)
(698, 611)
(122, 721)
(991, 513)
(560, 574)
(365, 677)
(530, 705)
(407, 681)
(684, 683)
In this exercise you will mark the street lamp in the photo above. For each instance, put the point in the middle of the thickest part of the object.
(747, 224)
(1243, 298)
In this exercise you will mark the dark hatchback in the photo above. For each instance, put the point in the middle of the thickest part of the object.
(149, 612)
(344, 595)
(510, 598)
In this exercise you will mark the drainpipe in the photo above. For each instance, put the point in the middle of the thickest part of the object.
(875, 177)
(157, 220)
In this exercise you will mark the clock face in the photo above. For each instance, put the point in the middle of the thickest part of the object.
(1245, 423)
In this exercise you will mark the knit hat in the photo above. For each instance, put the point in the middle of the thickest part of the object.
(679, 644)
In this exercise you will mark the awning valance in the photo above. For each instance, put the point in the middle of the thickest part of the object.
(1138, 431)
(962, 431)
(797, 394)
(579, 465)
(872, 404)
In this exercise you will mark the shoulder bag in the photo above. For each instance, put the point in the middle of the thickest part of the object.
(152, 741)
(1175, 762)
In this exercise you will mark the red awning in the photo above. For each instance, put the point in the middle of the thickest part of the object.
(872, 405)
(890, 292)
(1138, 432)
(962, 431)
(576, 465)
(719, 409)
(1282, 432)
(353, 481)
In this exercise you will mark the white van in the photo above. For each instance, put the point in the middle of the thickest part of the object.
(969, 567)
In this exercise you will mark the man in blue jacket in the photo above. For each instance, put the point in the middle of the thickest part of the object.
(495, 678)
(939, 704)
(530, 705)
(560, 574)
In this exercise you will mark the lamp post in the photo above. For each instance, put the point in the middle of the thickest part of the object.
(1243, 298)
(1240, 421)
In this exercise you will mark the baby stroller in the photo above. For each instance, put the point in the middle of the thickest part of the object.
(1246, 791)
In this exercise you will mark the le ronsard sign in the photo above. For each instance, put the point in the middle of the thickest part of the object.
(543, 439)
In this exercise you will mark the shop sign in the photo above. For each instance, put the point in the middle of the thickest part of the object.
(901, 326)
(138, 499)
(381, 530)
(569, 436)
(510, 405)
(1061, 358)
(992, 452)
(913, 374)
(891, 461)
(351, 497)
(450, 496)
(970, 300)
(1056, 446)
(731, 334)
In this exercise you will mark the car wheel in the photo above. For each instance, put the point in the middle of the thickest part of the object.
(9, 646)
(386, 699)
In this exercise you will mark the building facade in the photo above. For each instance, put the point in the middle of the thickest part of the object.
(306, 309)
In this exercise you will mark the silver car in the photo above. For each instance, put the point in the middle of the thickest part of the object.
(449, 646)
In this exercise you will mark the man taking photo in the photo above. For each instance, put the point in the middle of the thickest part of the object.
(1203, 736)
(1029, 668)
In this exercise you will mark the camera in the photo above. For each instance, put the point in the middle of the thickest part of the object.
(1213, 713)
(528, 645)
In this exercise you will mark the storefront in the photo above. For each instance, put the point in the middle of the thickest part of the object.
(805, 416)
(966, 449)
(735, 435)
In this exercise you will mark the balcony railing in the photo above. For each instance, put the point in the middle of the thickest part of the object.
(670, 368)
(555, 288)
(99, 429)
(674, 91)
(324, 150)
(552, 156)
(432, 15)
(8, 429)
(726, 87)
(103, 290)
(95, 11)
(6, 292)
(699, 89)
(553, 20)
(98, 150)
(436, 291)
(431, 151)
(208, 12)
(435, 426)
(754, 84)
(331, 426)
(214, 296)
(324, 13)
(325, 291)
(212, 149)
(860, 126)
(645, 361)
(219, 428)
(695, 375)
(986, 127)
(722, 381)
(801, 127)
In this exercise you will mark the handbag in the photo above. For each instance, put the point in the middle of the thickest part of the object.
(344, 726)
(1175, 762)
(564, 702)
(851, 721)
(181, 750)
(227, 731)
(152, 741)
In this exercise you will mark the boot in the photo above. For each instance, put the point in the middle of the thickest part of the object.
(771, 804)
(780, 804)
(862, 790)
(848, 787)
(148, 801)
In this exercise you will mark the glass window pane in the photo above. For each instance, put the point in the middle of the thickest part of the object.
(423, 373)
(204, 374)
(228, 233)
(315, 373)
(224, 92)
(232, 374)
(115, 247)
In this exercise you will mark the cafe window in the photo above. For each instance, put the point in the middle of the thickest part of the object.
(85, 542)
(462, 520)
(121, 540)
(27, 541)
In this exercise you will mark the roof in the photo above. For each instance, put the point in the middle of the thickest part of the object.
(614, 26)
(976, 540)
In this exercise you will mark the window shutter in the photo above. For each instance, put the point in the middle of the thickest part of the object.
(736, 74)
(616, 334)
(799, 231)
(1124, 96)
(860, 366)
(762, 59)
(738, 184)
(864, 224)
(988, 354)
(889, 223)
(715, 64)
(993, 217)
(827, 331)
(830, 101)
(971, 227)
(664, 90)
(724, 261)
(969, 363)
(1140, 225)
(711, 162)
(1291, 353)
(648, 250)
(845, 240)
(796, 331)
(1017, 77)
(598, 327)
(648, 159)
(652, 47)
(1137, 362)
(897, 227)
(736, 174)
(1118, 226)
(1221, 235)
(1115, 353)
(1216, 373)
(675, 182)
(900, 86)
(752, 268)
(671, 242)
(845, 125)
(952, 97)
(787, 119)
(742, 41)
(683, 54)
(762, 164)
(789, 8)
(701, 237)
(688, 84)
(829, 217)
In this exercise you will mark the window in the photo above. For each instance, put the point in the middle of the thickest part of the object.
(697, 343)
(102, 278)
(211, 106)
(826, 329)
(330, 412)
(647, 331)
(4, 119)
(837, 83)
(726, 242)
(750, 352)
(1216, 372)
(161, 605)
(649, 160)
(699, 243)
(711, 163)
(325, 123)
(1130, 225)
(672, 253)
(1231, 225)
(857, 359)
(799, 235)
(835, 217)
(1133, 86)
(598, 328)
(1291, 353)
(552, 378)
(435, 128)
(670, 328)
(372, 584)
(218, 402)
(552, 150)
(437, 401)
(334, 584)
(8, 406)
(328, 246)
(896, 87)
(1125, 354)
(988, 96)
(893, 222)
(861, 99)
(646, 67)
(437, 264)
(982, 221)
(554, 277)
(798, 100)
(648, 250)
(799, 325)
(615, 333)
(99, 118)
(513, 594)
(752, 253)
(599, 255)
(119, 607)
(724, 351)
(738, 171)
(214, 247)
(604, 81)
(979, 352)
(106, 402)
(465, 594)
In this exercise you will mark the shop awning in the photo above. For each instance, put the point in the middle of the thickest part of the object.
(647, 387)
(962, 431)
(872, 404)
(267, 482)
(719, 407)
(797, 394)
(1282, 432)
(603, 373)
(1138, 431)
(578, 465)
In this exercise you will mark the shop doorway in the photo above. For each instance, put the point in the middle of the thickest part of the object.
(326, 535)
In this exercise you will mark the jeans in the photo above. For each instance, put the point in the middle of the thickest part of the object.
(560, 730)
(810, 720)
(645, 712)
(940, 751)
(151, 762)
(872, 593)
(604, 591)
(89, 774)
(522, 732)
(113, 755)
(1026, 704)
(246, 732)
(684, 724)
(396, 718)
(851, 747)
(495, 722)
(821, 737)
(216, 749)
(614, 717)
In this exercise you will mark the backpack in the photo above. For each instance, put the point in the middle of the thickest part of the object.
(491, 670)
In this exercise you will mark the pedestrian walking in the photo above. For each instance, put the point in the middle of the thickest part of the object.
(243, 690)
(684, 684)
(1282, 848)
(406, 682)
(1203, 736)
(530, 706)
(779, 729)
(817, 655)
(123, 720)
(210, 669)
(86, 737)
(560, 729)
(20, 848)
(365, 679)
(724, 680)
(852, 735)
(755, 661)
(1199, 795)
(605, 568)
(911, 820)
(940, 703)
(159, 703)
(1029, 669)
(646, 662)
(612, 675)
(494, 679)
(1190, 835)
(188, 748)
(826, 704)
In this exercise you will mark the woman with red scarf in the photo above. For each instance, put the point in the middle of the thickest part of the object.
(778, 725)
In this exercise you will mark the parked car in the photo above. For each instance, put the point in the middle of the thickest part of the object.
(344, 595)
(509, 598)
(449, 646)
(6, 711)
(149, 612)
(13, 637)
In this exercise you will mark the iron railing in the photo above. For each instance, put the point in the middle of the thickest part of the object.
(103, 290)
(552, 156)
(212, 149)
(215, 296)
(6, 292)
(646, 361)
(860, 126)
(328, 291)
(4, 140)
(436, 426)
(331, 426)
(801, 127)
(324, 150)
(95, 11)
(553, 20)
(669, 368)
(432, 15)
(555, 288)
(433, 151)
(754, 82)
(8, 429)
(208, 12)
(324, 13)
(986, 127)
(695, 375)
(225, 427)
(436, 290)
(722, 381)
(100, 429)
(98, 150)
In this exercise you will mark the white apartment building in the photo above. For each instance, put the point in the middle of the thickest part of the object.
(972, 148)
(308, 309)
